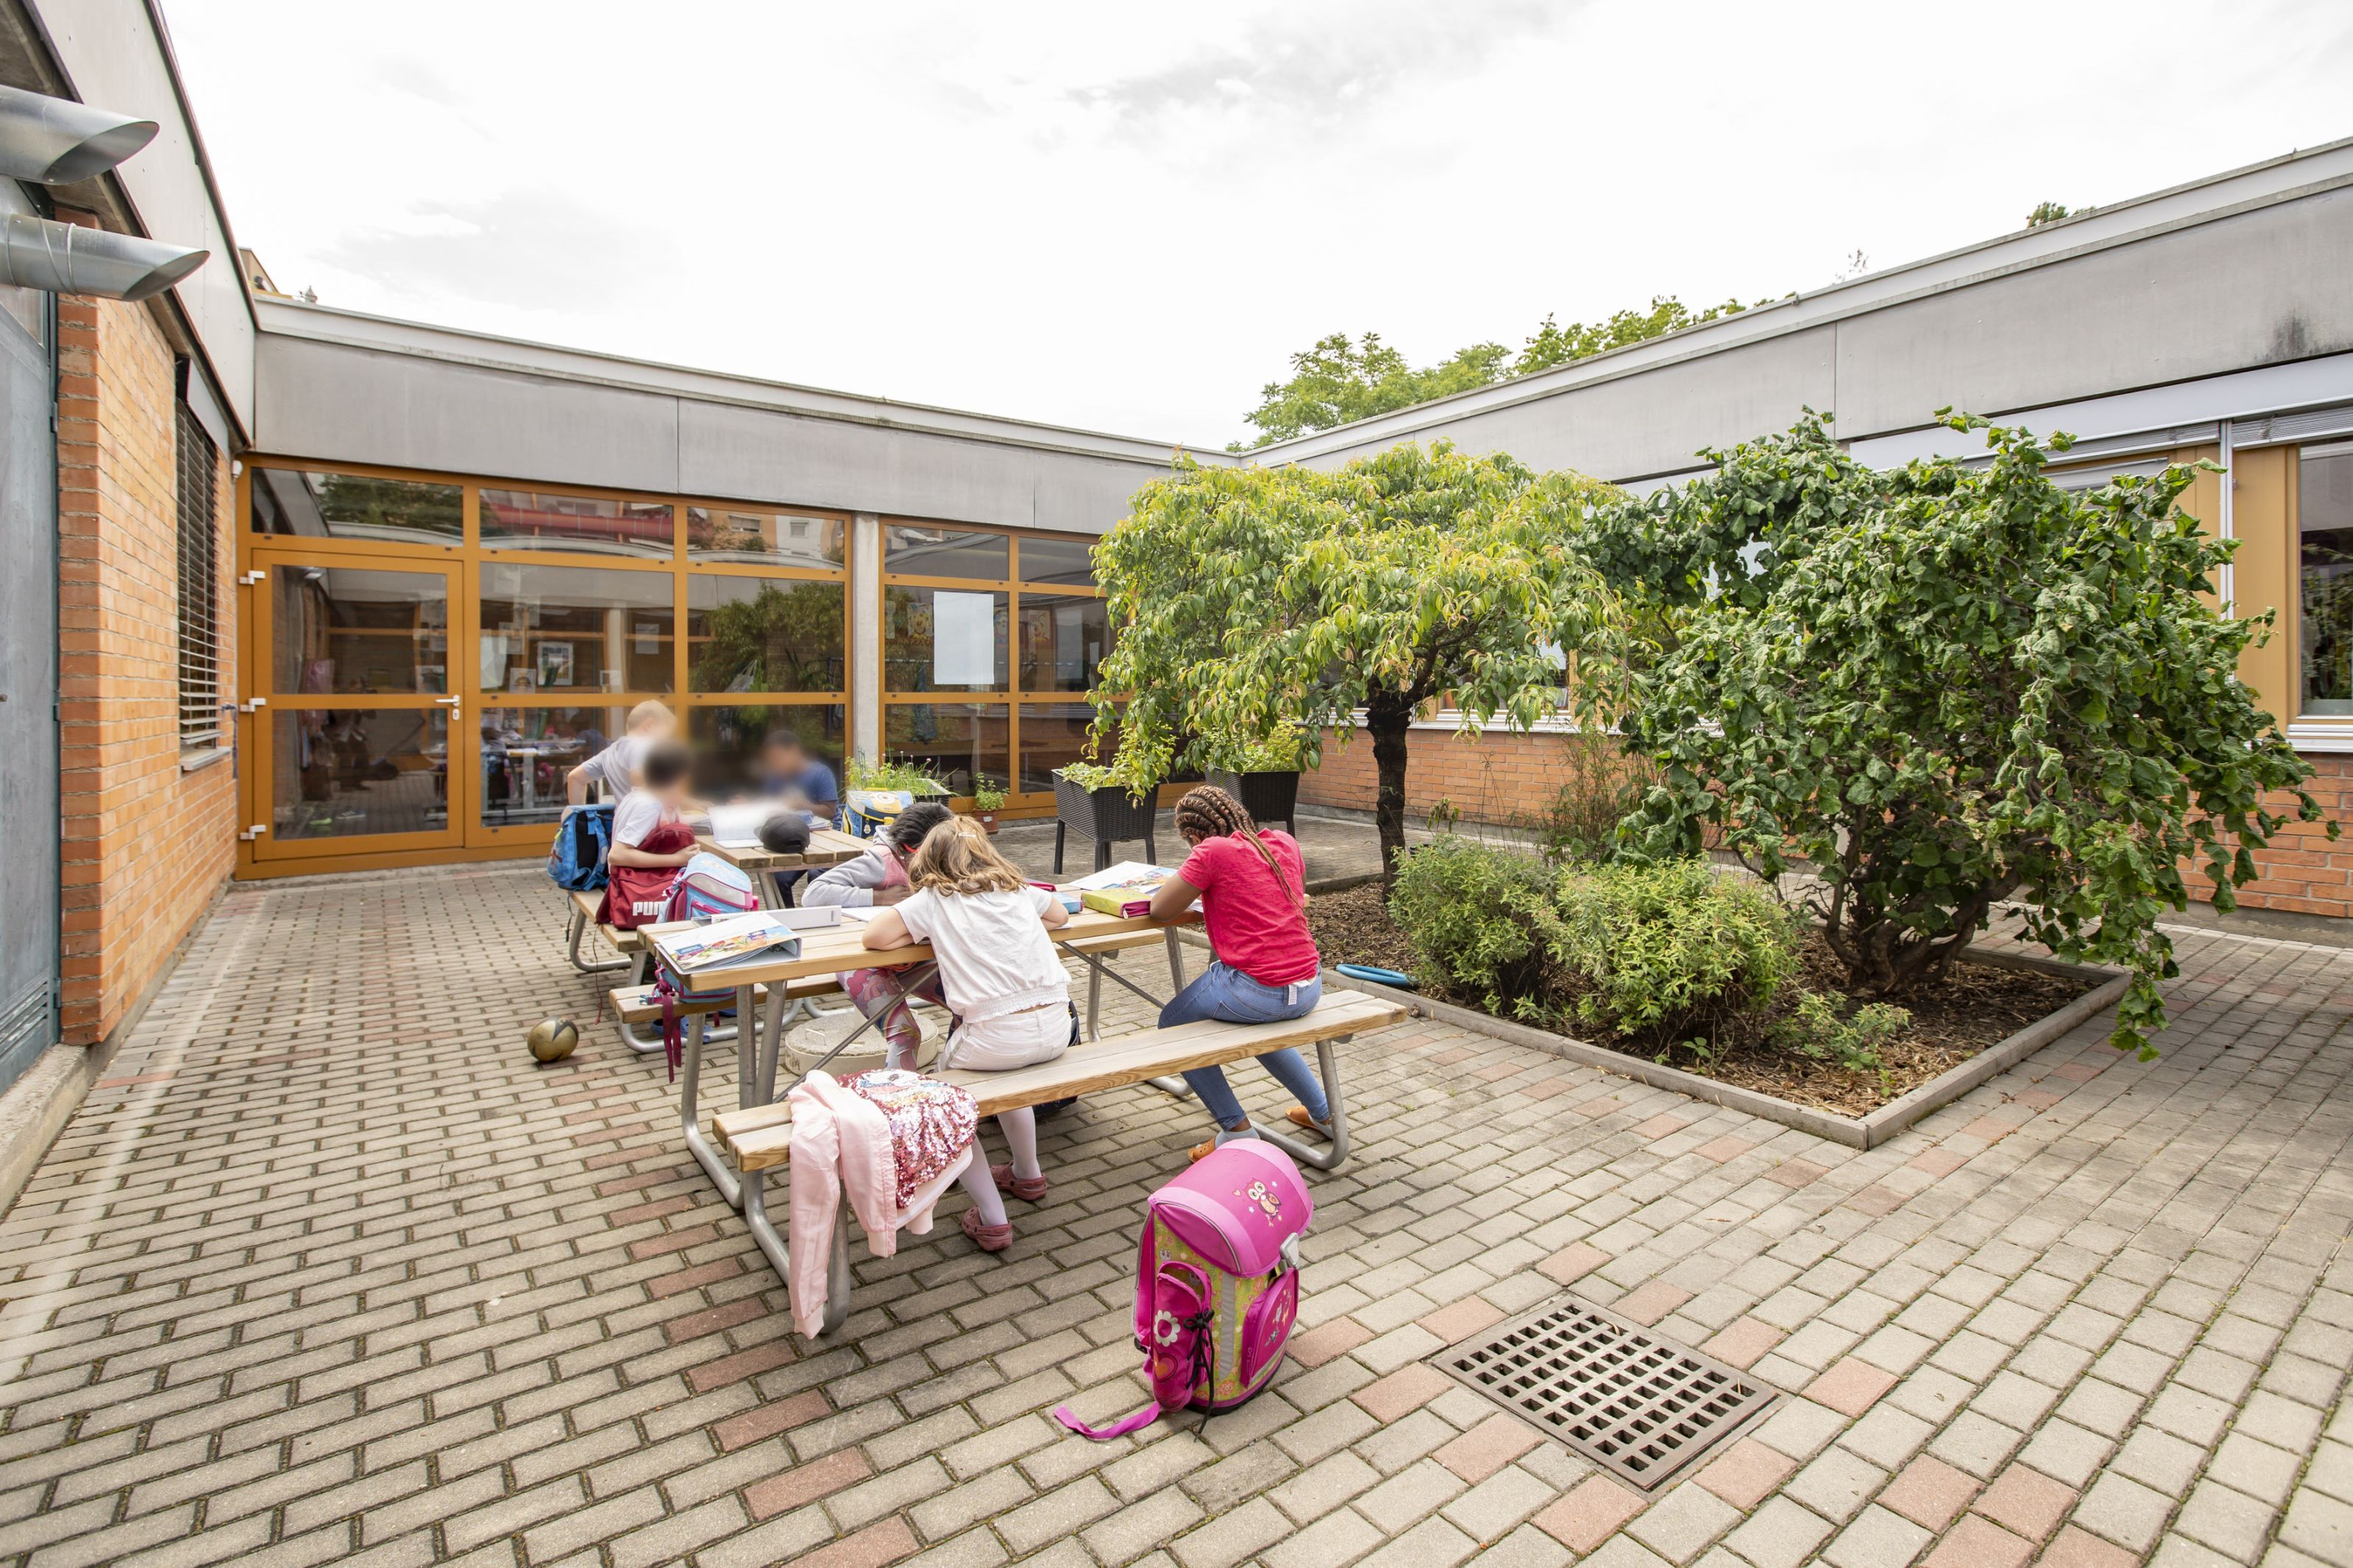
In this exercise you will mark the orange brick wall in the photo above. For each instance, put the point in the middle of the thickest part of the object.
(145, 845)
(1508, 778)
(1501, 776)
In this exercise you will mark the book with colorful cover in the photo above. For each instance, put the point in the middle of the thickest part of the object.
(1125, 889)
(738, 938)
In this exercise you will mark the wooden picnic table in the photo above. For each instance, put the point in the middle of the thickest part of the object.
(833, 949)
(827, 846)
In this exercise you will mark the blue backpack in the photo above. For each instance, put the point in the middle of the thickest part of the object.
(576, 863)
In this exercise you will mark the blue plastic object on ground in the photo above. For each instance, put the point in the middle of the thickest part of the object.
(1379, 976)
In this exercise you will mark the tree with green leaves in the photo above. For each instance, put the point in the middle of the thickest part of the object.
(787, 637)
(1254, 600)
(1554, 344)
(2046, 212)
(1944, 687)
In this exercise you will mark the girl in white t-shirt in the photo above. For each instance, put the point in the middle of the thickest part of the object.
(1003, 983)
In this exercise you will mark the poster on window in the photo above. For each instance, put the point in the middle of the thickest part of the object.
(964, 639)
(555, 664)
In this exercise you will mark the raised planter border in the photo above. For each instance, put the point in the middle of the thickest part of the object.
(1866, 1133)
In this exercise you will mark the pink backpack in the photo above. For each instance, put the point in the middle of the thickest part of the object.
(1217, 1286)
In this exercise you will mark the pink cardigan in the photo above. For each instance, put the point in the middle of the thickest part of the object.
(842, 1143)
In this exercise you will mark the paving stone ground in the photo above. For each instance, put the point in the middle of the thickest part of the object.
(328, 1271)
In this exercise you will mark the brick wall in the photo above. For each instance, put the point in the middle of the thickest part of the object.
(1508, 778)
(1501, 776)
(145, 846)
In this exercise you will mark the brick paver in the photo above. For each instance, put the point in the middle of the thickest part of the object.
(328, 1267)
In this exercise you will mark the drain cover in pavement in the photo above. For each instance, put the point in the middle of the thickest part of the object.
(1638, 1406)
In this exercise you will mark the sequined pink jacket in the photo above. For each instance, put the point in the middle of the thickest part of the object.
(841, 1144)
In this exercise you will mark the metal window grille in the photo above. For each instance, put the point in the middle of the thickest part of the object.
(198, 488)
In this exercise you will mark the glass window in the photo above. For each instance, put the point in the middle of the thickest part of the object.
(198, 468)
(943, 639)
(526, 751)
(338, 773)
(1064, 637)
(763, 538)
(2325, 623)
(726, 741)
(757, 633)
(340, 628)
(1063, 561)
(1054, 735)
(961, 742)
(541, 520)
(564, 628)
(351, 506)
(944, 552)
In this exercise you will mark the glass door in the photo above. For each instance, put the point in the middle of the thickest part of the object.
(360, 744)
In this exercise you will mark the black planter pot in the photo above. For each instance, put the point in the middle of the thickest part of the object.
(1268, 797)
(1105, 817)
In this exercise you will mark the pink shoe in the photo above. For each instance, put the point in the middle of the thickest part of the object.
(1033, 1188)
(987, 1238)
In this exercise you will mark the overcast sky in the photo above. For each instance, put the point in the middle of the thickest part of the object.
(1126, 217)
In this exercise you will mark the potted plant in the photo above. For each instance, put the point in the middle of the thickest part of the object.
(889, 774)
(987, 800)
(1105, 804)
(1259, 770)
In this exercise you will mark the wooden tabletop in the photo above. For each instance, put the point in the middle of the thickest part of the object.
(827, 846)
(830, 949)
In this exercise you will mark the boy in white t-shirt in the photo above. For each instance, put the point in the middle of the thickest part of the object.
(1003, 980)
(615, 767)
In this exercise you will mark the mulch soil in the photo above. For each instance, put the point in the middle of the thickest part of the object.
(1978, 1006)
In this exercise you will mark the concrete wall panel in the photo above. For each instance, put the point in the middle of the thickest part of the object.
(2261, 288)
(1654, 422)
(763, 453)
(331, 402)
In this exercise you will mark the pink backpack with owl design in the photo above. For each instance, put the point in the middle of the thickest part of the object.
(1217, 1284)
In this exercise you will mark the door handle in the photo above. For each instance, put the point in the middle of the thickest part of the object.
(448, 701)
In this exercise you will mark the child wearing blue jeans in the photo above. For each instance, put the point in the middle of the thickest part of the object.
(1253, 885)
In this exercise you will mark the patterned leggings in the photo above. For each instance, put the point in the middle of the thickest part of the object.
(884, 993)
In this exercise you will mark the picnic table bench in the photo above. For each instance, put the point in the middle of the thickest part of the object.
(759, 1137)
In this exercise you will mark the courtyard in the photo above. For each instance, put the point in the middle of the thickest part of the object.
(328, 1270)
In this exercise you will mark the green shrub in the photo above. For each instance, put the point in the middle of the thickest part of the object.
(1667, 951)
(1483, 917)
(1812, 1028)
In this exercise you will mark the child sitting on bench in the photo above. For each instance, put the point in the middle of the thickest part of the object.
(1253, 885)
(878, 880)
(1003, 983)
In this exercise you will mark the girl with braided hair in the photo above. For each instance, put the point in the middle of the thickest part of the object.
(1253, 885)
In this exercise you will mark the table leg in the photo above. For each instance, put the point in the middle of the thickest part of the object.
(773, 1247)
(690, 1117)
(1328, 1156)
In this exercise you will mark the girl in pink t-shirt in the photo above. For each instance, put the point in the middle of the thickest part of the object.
(1253, 885)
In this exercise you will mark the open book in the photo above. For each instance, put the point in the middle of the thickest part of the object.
(738, 827)
(1125, 889)
(737, 938)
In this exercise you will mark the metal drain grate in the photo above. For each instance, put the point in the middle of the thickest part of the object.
(1639, 1406)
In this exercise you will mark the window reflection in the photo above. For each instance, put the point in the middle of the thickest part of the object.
(763, 538)
(916, 551)
(962, 743)
(943, 639)
(343, 773)
(1062, 560)
(341, 628)
(1063, 639)
(545, 520)
(726, 741)
(2325, 624)
(526, 751)
(1054, 735)
(560, 628)
(302, 505)
(753, 634)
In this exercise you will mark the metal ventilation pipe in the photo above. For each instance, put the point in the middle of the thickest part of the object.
(63, 258)
(56, 142)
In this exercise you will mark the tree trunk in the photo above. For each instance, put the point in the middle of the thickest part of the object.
(1389, 727)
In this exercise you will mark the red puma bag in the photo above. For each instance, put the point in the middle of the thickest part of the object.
(639, 895)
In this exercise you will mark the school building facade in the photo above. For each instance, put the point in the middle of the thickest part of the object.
(305, 590)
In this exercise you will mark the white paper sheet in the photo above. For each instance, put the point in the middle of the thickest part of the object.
(738, 827)
(964, 639)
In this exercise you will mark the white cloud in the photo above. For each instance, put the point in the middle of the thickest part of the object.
(1127, 218)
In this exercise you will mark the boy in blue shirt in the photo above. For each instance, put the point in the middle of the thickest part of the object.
(790, 774)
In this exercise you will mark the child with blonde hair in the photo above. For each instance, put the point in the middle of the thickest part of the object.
(615, 767)
(1003, 983)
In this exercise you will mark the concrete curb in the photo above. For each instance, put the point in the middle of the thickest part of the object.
(1866, 1133)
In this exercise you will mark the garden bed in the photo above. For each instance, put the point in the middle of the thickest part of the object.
(1993, 1002)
